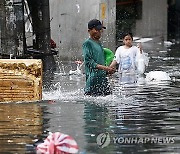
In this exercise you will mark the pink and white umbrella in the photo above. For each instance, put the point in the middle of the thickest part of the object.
(58, 143)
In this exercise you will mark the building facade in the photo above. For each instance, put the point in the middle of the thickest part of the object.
(69, 24)
(158, 19)
(69, 20)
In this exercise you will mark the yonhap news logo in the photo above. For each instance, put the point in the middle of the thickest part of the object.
(104, 139)
(143, 140)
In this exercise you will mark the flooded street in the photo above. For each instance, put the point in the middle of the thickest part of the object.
(139, 118)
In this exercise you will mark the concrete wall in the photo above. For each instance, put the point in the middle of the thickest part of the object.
(69, 20)
(154, 19)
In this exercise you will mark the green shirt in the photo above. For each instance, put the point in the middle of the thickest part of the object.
(96, 81)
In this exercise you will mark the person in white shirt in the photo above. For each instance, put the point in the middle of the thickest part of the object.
(128, 58)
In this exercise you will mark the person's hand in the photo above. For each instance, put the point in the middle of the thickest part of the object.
(111, 70)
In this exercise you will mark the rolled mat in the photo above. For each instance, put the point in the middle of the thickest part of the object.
(109, 56)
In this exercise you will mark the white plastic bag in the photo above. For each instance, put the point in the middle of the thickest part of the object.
(142, 61)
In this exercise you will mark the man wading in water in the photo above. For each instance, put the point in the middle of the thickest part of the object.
(94, 60)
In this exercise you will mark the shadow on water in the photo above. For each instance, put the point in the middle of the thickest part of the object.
(137, 118)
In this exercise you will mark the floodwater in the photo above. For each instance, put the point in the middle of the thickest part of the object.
(137, 118)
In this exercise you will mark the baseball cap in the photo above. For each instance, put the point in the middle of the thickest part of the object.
(94, 23)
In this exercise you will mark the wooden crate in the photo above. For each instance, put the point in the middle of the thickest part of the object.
(20, 80)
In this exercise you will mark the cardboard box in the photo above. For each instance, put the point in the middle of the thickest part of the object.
(20, 80)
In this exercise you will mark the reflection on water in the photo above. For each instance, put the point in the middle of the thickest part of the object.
(142, 117)
(19, 124)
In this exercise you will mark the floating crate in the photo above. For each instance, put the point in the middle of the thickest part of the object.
(20, 80)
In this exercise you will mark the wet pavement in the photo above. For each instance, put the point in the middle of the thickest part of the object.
(138, 118)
